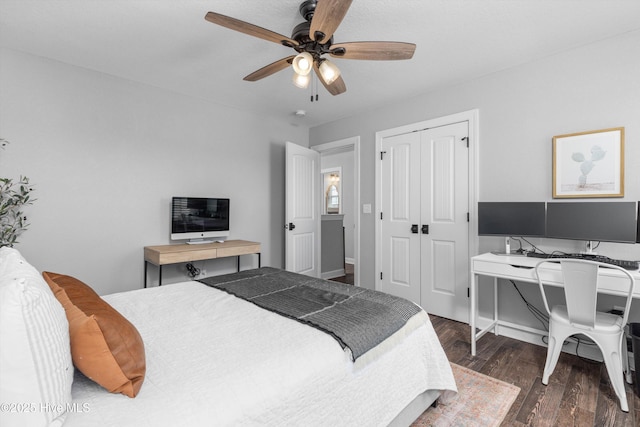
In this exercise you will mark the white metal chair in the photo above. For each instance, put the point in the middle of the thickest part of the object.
(579, 316)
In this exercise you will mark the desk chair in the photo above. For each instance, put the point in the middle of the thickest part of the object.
(579, 316)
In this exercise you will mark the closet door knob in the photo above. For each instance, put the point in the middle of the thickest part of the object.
(414, 228)
(425, 229)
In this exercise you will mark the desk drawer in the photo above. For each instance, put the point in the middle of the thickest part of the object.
(238, 250)
(550, 275)
(507, 271)
(188, 256)
(159, 257)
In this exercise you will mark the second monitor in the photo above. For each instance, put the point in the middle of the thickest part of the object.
(593, 221)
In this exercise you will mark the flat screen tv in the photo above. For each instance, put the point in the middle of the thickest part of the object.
(593, 221)
(199, 219)
(525, 219)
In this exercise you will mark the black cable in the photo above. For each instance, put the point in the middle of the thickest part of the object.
(193, 271)
(519, 242)
(543, 318)
(538, 250)
(535, 248)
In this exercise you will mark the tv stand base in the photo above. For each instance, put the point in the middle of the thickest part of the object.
(175, 254)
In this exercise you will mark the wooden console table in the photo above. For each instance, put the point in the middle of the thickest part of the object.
(174, 254)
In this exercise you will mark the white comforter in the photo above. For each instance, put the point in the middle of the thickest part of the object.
(216, 360)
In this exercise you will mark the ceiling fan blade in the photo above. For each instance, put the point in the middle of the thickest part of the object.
(250, 29)
(335, 88)
(326, 18)
(383, 51)
(272, 68)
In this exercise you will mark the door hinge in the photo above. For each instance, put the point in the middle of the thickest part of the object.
(382, 153)
(381, 275)
(380, 215)
(466, 138)
(468, 293)
(467, 216)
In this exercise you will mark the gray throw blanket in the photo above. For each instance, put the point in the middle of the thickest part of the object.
(359, 319)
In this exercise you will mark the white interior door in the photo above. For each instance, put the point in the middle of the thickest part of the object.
(445, 209)
(400, 216)
(302, 212)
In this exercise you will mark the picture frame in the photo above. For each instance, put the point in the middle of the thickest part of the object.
(589, 164)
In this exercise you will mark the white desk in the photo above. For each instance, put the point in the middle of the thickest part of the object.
(520, 268)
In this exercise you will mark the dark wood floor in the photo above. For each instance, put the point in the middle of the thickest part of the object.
(348, 278)
(579, 392)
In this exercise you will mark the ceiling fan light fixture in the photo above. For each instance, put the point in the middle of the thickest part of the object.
(303, 63)
(301, 80)
(311, 40)
(329, 71)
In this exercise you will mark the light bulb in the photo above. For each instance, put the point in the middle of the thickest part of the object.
(302, 63)
(302, 81)
(329, 71)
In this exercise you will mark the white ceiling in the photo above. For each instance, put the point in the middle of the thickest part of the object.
(168, 44)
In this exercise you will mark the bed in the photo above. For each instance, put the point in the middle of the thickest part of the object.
(214, 358)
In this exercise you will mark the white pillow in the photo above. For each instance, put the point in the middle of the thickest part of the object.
(36, 371)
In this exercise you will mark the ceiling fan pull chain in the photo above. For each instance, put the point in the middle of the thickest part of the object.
(314, 88)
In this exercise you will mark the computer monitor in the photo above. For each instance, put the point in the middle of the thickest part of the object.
(511, 219)
(199, 218)
(593, 221)
(525, 219)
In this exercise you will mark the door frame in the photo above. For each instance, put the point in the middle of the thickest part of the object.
(470, 116)
(354, 143)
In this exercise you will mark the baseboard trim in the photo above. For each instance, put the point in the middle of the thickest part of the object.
(533, 336)
(332, 274)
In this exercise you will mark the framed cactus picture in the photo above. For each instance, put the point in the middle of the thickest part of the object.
(589, 164)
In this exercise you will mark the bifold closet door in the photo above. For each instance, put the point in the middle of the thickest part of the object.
(400, 206)
(424, 226)
(444, 208)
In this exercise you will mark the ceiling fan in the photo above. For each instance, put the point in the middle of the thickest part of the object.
(312, 40)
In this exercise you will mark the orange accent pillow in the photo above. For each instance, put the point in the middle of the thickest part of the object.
(105, 346)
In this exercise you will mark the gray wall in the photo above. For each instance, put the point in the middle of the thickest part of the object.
(520, 109)
(106, 155)
(332, 236)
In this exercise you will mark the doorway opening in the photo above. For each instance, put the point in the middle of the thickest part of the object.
(342, 160)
